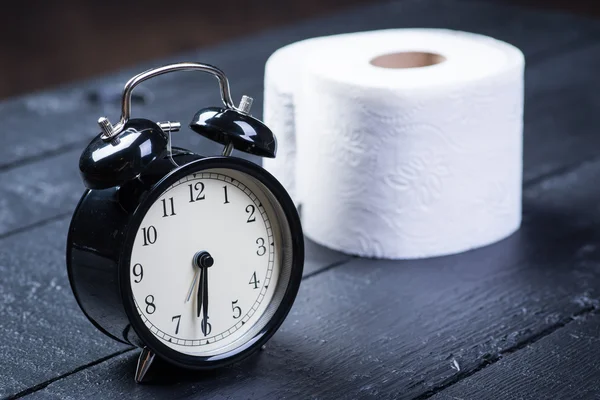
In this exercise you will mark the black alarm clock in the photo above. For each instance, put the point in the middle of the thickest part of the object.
(196, 260)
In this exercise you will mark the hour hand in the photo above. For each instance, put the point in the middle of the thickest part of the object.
(192, 286)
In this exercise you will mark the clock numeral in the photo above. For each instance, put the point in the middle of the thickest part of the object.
(198, 187)
(236, 309)
(170, 210)
(150, 307)
(178, 318)
(150, 235)
(226, 198)
(254, 281)
(206, 327)
(138, 272)
(250, 210)
(262, 249)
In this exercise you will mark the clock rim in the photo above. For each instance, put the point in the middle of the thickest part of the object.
(297, 263)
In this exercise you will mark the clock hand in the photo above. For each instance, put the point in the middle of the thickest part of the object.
(191, 290)
(200, 295)
(203, 261)
(205, 303)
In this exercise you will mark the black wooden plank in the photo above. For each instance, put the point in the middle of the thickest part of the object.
(43, 334)
(384, 329)
(35, 192)
(42, 331)
(557, 135)
(561, 111)
(563, 365)
(50, 122)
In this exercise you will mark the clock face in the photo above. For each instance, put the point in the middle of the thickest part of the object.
(206, 264)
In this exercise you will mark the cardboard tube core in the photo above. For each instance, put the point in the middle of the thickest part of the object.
(407, 59)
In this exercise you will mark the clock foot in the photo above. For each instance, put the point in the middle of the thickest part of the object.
(143, 365)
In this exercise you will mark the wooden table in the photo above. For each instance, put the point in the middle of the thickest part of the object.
(518, 319)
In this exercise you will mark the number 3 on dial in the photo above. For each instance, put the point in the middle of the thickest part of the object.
(262, 250)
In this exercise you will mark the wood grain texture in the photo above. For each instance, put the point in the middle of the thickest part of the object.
(43, 333)
(65, 118)
(583, 7)
(563, 365)
(561, 111)
(367, 329)
(401, 330)
(51, 129)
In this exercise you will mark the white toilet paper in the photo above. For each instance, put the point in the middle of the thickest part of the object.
(401, 162)
(282, 73)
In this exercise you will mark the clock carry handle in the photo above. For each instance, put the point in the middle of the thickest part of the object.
(109, 131)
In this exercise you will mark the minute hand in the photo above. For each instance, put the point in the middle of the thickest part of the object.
(200, 296)
(205, 325)
(203, 261)
(203, 301)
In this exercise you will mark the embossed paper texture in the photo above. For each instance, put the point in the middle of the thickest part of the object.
(405, 171)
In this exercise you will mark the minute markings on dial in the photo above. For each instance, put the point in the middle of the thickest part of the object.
(225, 198)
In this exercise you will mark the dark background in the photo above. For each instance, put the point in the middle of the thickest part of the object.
(47, 43)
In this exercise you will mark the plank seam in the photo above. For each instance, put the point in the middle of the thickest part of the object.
(37, 224)
(79, 144)
(426, 395)
(327, 268)
(565, 169)
(513, 349)
(527, 183)
(565, 48)
(44, 155)
(45, 384)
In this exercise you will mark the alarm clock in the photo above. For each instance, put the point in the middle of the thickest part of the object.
(195, 259)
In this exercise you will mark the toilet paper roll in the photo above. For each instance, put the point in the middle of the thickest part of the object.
(282, 71)
(408, 142)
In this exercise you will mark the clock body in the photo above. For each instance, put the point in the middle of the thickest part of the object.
(133, 256)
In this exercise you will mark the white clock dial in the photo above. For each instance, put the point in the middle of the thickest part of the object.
(206, 262)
